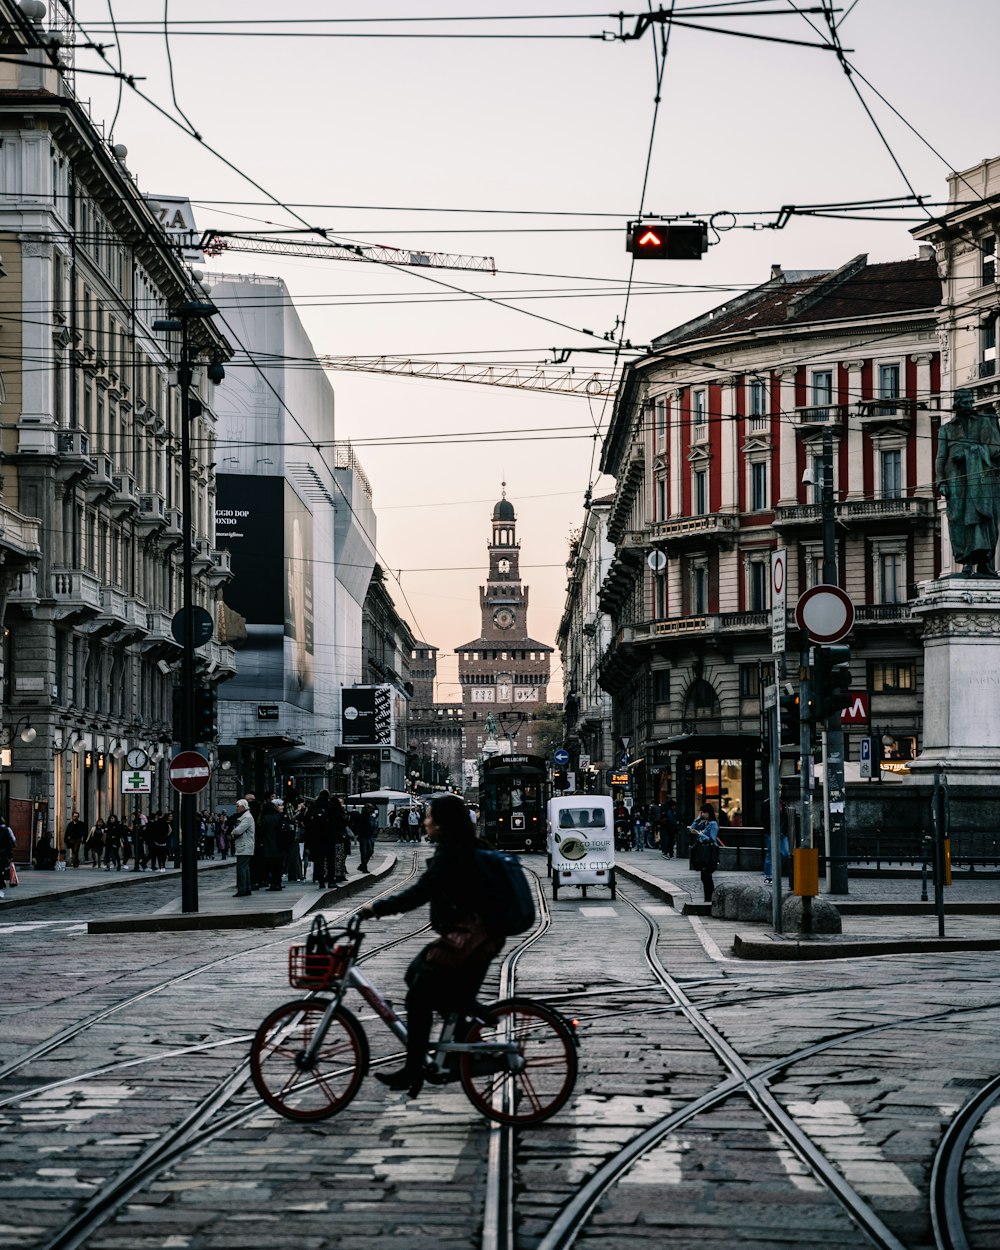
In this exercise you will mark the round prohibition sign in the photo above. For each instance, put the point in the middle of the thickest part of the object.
(778, 575)
(189, 772)
(826, 613)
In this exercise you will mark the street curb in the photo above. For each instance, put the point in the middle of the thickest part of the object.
(673, 894)
(128, 877)
(184, 922)
(818, 948)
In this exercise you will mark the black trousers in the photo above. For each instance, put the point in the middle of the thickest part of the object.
(433, 989)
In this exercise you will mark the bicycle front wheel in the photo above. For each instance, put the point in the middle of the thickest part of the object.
(531, 1083)
(313, 1090)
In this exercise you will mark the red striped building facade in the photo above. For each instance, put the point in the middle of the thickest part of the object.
(716, 446)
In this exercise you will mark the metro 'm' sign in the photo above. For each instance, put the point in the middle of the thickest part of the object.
(856, 712)
(661, 241)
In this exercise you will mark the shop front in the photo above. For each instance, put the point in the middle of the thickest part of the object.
(720, 769)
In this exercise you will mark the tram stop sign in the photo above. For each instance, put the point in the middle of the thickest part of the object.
(189, 772)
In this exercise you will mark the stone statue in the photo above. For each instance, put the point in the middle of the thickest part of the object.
(967, 474)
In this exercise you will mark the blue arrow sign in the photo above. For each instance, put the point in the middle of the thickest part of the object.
(561, 756)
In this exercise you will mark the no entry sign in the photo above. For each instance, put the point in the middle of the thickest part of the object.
(189, 772)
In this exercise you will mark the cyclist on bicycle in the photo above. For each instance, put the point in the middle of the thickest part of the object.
(448, 972)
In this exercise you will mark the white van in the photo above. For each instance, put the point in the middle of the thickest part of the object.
(580, 839)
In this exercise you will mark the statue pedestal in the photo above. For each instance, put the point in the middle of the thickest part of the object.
(961, 636)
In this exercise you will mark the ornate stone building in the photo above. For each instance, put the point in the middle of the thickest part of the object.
(90, 496)
(503, 672)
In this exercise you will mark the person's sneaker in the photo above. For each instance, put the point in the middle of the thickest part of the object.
(3, 894)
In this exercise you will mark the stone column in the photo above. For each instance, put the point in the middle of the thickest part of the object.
(961, 724)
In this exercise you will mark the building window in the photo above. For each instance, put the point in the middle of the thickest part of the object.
(660, 596)
(822, 392)
(989, 250)
(891, 577)
(888, 387)
(988, 347)
(699, 415)
(758, 485)
(751, 678)
(699, 589)
(661, 685)
(660, 411)
(892, 474)
(757, 405)
(700, 492)
(892, 677)
(814, 566)
(661, 499)
(757, 585)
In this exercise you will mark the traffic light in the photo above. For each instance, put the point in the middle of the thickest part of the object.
(559, 779)
(659, 241)
(204, 713)
(789, 715)
(831, 677)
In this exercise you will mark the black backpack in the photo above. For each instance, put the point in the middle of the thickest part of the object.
(507, 901)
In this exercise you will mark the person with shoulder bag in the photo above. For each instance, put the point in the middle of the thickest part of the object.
(705, 849)
(446, 975)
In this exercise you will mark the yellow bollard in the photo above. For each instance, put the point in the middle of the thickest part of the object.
(947, 861)
(805, 866)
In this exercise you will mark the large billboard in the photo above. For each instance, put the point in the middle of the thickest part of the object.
(367, 716)
(269, 535)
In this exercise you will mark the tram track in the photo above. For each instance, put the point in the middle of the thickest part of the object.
(946, 1207)
(752, 1082)
(200, 1126)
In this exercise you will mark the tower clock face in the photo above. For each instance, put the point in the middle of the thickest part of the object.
(503, 618)
(503, 566)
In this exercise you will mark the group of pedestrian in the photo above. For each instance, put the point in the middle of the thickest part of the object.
(407, 822)
(111, 843)
(278, 840)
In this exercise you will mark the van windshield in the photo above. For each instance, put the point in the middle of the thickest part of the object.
(581, 818)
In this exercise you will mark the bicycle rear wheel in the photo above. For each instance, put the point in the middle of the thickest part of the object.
(530, 1085)
(330, 1081)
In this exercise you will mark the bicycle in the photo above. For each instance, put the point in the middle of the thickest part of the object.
(515, 1058)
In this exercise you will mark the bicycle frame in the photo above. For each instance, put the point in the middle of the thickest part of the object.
(383, 1008)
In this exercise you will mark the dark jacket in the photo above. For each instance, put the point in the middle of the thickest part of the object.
(269, 833)
(451, 883)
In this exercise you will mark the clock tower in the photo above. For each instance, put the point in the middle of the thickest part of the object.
(504, 671)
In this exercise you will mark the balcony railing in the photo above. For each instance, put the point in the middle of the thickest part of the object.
(819, 415)
(709, 525)
(890, 613)
(20, 533)
(77, 588)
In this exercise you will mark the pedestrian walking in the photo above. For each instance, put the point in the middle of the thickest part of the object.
(413, 824)
(158, 833)
(113, 834)
(244, 837)
(669, 825)
(93, 848)
(74, 835)
(7, 843)
(269, 831)
(705, 851)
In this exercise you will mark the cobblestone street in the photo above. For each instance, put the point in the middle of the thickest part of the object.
(138, 1039)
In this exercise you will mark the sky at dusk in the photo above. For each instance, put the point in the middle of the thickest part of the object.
(532, 151)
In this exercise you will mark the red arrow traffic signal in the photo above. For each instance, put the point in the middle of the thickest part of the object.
(667, 242)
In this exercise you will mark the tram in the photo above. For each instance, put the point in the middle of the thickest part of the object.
(512, 796)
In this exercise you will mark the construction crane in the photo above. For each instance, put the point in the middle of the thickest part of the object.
(215, 242)
(594, 385)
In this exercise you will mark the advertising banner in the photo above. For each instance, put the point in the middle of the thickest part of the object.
(268, 532)
(367, 716)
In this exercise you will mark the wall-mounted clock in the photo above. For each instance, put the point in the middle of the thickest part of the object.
(137, 758)
(503, 618)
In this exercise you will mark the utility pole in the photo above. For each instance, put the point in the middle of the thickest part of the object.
(188, 832)
(833, 754)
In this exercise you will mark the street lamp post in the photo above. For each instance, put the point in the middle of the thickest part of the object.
(185, 313)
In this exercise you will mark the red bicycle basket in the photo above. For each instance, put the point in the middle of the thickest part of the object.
(307, 971)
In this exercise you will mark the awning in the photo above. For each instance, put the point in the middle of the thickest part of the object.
(716, 746)
(302, 757)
